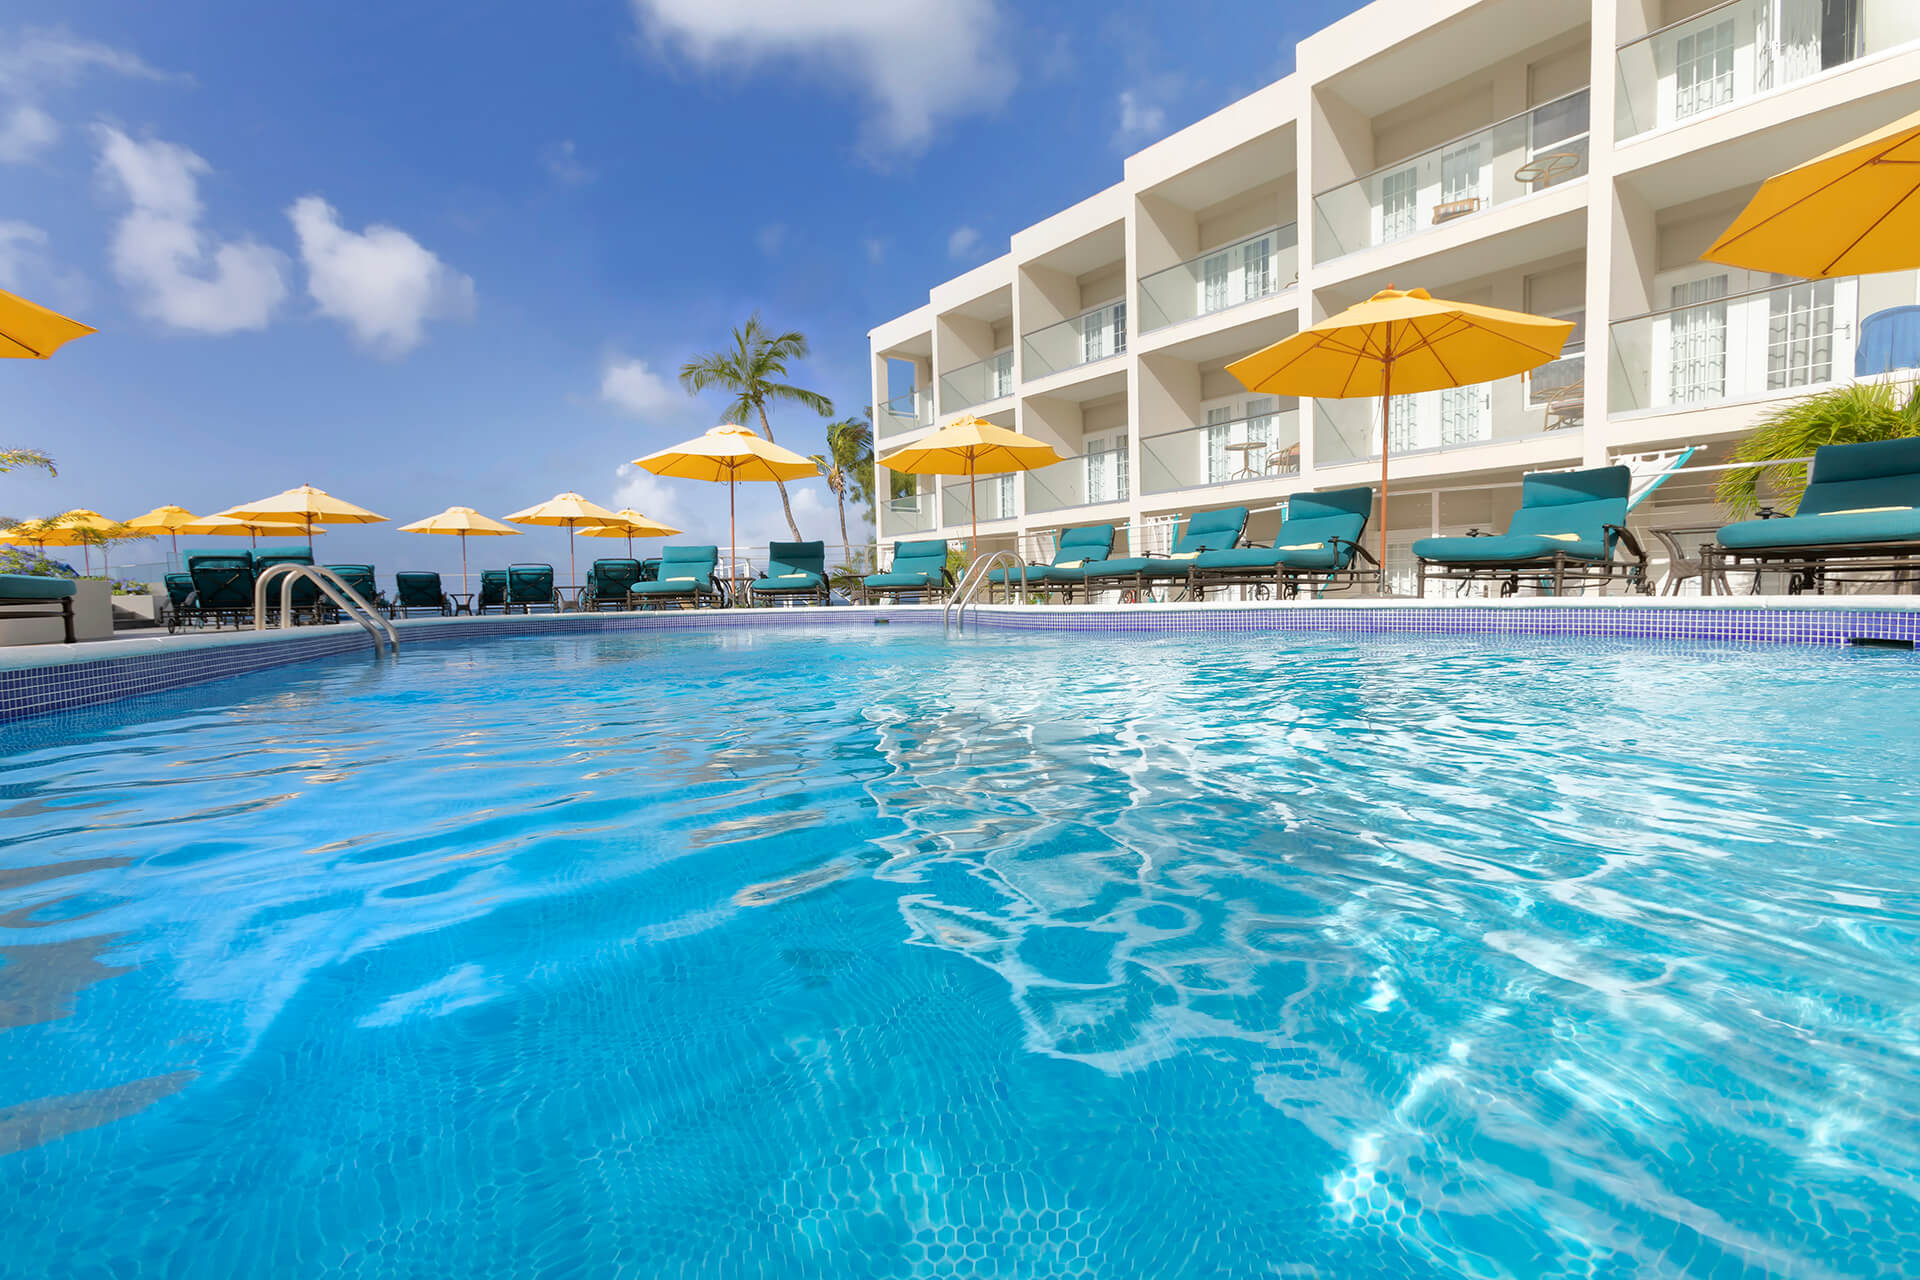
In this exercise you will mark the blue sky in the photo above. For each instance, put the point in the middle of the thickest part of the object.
(422, 254)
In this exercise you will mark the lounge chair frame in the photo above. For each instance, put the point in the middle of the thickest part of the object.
(1811, 569)
(1559, 569)
(18, 607)
(1286, 583)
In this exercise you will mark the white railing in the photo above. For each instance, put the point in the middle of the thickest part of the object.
(1258, 266)
(1096, 335)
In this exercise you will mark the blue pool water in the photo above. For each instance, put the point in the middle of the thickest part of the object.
(867, 954)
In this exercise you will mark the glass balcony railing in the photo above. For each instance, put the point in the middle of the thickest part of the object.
(977, 383)
(1100, 333)
(1244, 271)
(1261, 447)
(913, 514)
(1082, 480)
(1551, 398)
(1722, 345)
(1538, 149)
(1742, 49)
(995, 495)
(905, 412)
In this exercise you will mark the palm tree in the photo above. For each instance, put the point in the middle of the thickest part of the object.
(1852, 414)
(753, 369)
(849, 446)
(19, 459)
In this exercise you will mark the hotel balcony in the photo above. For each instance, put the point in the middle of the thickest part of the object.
(1744, 49)
(994, 495)
(1532, 152)
(1099, 334)
(1547, 405)
(1222, 452)
(909, 411)
(972, 385)
(1259, 266)
(908, 517)
(1758, 343)
(1081, 480)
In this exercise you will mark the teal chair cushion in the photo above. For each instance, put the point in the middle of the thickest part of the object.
(798, 581)
(1507, 549)
(897, 581)
(924, 561)
(1212, 530)
(23, 586)
(1560, 511)
(1838, 528)
(675, 584)
(1856, 477)
(785, 559)
(678, 562)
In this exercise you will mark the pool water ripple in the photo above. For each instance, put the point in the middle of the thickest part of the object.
(846, 954)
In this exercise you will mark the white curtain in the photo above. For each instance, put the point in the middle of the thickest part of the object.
(1699, 340)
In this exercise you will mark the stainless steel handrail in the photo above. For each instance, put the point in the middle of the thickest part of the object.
(344, 598)
(971, 582)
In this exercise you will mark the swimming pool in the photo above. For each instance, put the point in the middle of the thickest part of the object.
(864, 953)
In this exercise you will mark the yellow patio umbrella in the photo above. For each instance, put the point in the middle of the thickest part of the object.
(78, 528)
(1853, 211)
(170, 520)
(1402, 342)
(971, 447)
(461, 521)
(235, 527)
(305, 506)
(632, 525)
(571, 510)
(31, 332)
(731, 453)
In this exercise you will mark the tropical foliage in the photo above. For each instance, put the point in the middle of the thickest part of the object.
(754, 371)
(1853, 414)
(848, 467)
(22, 459)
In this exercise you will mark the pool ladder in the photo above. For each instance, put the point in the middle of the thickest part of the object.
(345, 598)
(954, 616)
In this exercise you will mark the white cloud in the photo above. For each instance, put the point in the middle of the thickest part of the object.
(179, 274)
(648, 494)
(1139, 116)
(19, 241)
(562, 160)
(771, 238)
(381, 283)
(25, 131)
(920, 62)
(628, 384)
(962, 242)
(34, 63)
(761, 521)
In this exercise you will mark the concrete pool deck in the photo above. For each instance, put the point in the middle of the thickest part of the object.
(41, 679)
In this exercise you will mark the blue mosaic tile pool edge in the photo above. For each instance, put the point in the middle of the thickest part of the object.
(63, 686)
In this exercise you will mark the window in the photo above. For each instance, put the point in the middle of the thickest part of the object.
(1231, 427)
(1000, 369)
(1399, 204)
(1460, 174)
(1256, 267)
(1703, 69)
(1214, 272)
(1698, 358)
(1219, 435)
(1466, 415)
(1106, 464)
(1103, 333)
(1800, 335)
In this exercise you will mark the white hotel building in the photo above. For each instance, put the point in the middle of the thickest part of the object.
(1565, 157)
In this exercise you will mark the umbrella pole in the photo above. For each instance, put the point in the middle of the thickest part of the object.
(463, 561)
(733, 546)
(1386, 437)
(973, 502)
(573, 574)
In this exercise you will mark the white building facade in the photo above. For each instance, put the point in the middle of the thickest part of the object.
(1570, 158)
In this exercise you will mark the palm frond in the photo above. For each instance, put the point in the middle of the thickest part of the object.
(1853, 414)
(21, 459)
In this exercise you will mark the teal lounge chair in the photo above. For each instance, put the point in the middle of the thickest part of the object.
(918, 567)
(608, 583)
(1319, 540)
(418, 591)
(685, 577)
(795, 571)
(493, 591)
(32, 596)
(1859, 518)
(179, 596)
(530, 587)
(1075, 552)
(1569, 530)
(1204, 531)
(360, 580)
(222, 586)
(305, 600)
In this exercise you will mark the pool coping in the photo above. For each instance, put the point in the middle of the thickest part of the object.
(39, 680)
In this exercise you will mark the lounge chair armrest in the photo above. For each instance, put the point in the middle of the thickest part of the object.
(1625, 535)
(1359, 549)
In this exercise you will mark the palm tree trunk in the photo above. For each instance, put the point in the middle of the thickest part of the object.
(846, 543)
(766, 429)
